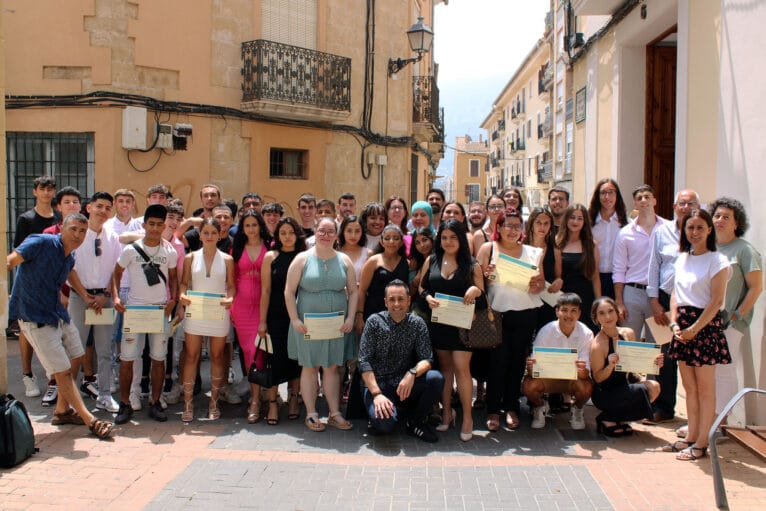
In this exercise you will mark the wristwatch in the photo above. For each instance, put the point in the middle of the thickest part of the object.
(413, 371)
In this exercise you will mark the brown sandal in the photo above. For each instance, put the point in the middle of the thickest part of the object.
(254, 412)
(68, 417)
(102, 429)
(313, 423)
(336, 420)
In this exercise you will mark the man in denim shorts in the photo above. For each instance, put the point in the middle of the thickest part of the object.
(44, 262)
(151, 265)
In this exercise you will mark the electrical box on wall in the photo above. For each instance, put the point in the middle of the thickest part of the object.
(134, 128)
(164, 136)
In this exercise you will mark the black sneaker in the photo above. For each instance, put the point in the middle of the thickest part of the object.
(89, 389)
(422, 431)
(124, 414)
(157, 413)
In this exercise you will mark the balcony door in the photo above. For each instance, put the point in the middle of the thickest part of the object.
(660, 149)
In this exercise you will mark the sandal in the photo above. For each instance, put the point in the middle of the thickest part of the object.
(626, 429)
(293, 406)
(336, 420)
(493, 422)
(512, 420)
(102, 429)
(273, 421)
(254, 412)
(68, 417)
(677, 446)
(688, 453)
(614, 431)
(188, 413)
(313, 423)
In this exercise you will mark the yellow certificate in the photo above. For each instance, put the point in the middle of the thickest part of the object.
(144, 319)
(205, 306)
(323, 325)
(554, 363)
(452, 311)
(637, 357)
(514, 272)
(105, 318)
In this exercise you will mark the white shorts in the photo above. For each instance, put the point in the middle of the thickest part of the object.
(132, 346)
(56, 347)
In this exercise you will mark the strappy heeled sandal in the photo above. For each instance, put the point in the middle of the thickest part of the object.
(270, 420)
(188, 413)
(214, 413)
(254, 411)
(293, 406)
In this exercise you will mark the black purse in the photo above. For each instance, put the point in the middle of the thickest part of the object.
(262, 377)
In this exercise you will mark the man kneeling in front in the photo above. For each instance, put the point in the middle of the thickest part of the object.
(395, 360)
(566, 332)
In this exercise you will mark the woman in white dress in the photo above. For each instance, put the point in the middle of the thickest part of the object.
(207, 270)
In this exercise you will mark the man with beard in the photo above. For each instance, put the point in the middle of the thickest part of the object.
(558, 202)
(435, 198)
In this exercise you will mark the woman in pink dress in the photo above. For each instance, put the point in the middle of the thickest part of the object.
(250, 245)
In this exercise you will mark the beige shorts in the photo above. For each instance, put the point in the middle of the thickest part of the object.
(56, 347)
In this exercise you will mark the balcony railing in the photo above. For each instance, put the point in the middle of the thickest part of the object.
(513, 113)
(495, 134)
(544, 79)
(547, 126)
(520, 144)
(501, 125)
(277, 76)
(425, 105)
(545, 172)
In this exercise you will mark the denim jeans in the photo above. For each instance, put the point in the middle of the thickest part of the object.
(425, 393)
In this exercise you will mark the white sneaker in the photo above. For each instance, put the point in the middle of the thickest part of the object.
(173, 396)
(163, 403)
(107, 402)
(538, 416)
(231, 376)
(30, 386)
(227, 394)
(135, 401)
(578, 420)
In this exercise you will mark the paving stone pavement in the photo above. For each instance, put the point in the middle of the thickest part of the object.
(231, 464)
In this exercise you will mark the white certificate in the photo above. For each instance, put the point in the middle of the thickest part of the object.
(323, 325)
(637, 357)
(554, 363)
(105, 318)
(661, 334)
(550, 298)
(149, 319)
(452, 311)
(514, 272)
(205, 306)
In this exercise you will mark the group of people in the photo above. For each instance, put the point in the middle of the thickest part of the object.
(347, 304)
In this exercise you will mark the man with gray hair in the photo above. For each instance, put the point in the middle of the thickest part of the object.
(664, 251)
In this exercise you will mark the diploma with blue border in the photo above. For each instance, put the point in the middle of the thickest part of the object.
(554, 363)
(205, 306)
(637, 357)
(323, 325)
(144, 319)
(550, 298)
(514, 272)
(452, 311)
(105, 318)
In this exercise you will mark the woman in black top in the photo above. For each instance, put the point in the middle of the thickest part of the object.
(288, 242)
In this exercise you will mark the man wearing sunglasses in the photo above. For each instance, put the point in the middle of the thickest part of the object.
(90, 279)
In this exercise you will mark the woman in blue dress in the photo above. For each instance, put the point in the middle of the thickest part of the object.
(321, 280)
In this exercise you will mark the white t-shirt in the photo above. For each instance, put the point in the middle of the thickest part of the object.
(693, 275)
(505, 298)
(551, 336)
(164, 256)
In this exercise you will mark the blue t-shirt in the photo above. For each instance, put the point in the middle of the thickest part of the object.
(35, 296)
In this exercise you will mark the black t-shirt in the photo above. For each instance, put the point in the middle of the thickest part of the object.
(192, 237)
(30, 222)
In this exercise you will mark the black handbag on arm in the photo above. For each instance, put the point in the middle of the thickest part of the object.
(263, 377)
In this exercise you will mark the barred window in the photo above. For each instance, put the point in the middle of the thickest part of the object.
(288, 164)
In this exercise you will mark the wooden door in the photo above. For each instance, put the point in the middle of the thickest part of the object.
(660, 149)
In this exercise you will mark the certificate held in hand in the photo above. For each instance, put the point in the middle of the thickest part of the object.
(105, 318)
(554, 363)
(323, 325)
(514, 272)
(452, 311)
(637, 357)
(205, 306)
(144, 319)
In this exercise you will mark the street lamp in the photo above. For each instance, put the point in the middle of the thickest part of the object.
(420, 38)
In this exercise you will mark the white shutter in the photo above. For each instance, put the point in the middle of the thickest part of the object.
(290, 22)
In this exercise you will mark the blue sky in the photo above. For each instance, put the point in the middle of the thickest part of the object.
(478, 45)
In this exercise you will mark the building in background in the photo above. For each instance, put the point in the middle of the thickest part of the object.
(469, 169)
(275, 96)
(670, 93)
(518, 129)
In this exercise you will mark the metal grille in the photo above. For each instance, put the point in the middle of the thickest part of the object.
(67, 157)
(288, 73)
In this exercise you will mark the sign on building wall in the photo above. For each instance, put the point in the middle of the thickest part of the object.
(580, 105)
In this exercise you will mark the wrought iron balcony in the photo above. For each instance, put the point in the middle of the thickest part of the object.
(545, 172)
(545, 79)
(513, 113)
(547, 126)
(289, 81)
(501, 125)
(520, 144)
(427, 116)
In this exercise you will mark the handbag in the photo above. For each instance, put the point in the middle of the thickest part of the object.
(486, 330)
(262, 377)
